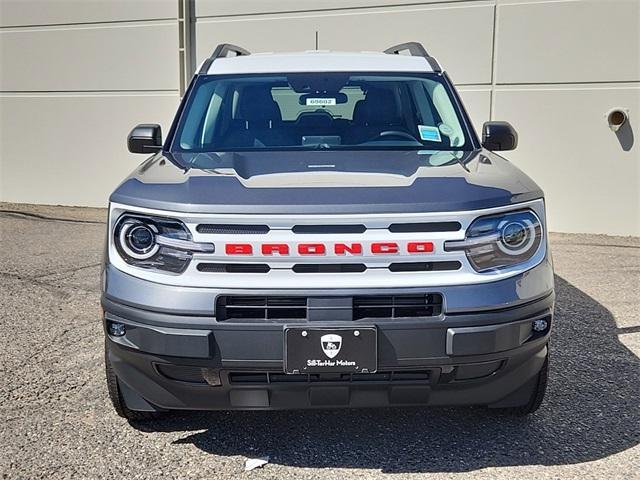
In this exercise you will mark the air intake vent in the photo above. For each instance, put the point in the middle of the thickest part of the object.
(397, 306)
(425, 227)
(233, 267)
(249, 308)
(425, 266)
(260, 308)
(403, 376)
(231, 229)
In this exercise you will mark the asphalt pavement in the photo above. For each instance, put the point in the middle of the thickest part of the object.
(56, 420)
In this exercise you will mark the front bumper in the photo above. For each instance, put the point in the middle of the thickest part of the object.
(175, 358)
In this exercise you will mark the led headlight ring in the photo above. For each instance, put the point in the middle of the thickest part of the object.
(517, 237)
(138, 240)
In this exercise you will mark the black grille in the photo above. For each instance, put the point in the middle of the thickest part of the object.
(238, 229)
(231, 229)
(218, 267)
(265, 308)
(397, 306)
(262, 308)
(233, 267)
(420, 376)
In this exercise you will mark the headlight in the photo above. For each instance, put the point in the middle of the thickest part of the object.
(500, 241)
(138, 239)
(155, 243)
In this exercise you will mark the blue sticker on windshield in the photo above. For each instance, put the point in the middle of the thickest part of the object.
(430, 134)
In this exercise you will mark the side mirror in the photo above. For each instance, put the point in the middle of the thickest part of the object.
(145, 138)
(499, 136)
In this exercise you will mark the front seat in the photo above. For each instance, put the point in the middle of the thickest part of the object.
(258, 120)
(377, 112)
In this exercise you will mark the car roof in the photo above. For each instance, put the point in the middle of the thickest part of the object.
(318, 61)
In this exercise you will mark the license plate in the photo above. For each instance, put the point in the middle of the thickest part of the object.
(338, 350)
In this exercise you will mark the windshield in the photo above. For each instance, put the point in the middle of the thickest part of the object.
(320, 111)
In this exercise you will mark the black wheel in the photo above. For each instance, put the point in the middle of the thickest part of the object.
(537, 394)
(117, 400)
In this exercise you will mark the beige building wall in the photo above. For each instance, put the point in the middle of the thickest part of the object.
(75, 77)
(553, 68)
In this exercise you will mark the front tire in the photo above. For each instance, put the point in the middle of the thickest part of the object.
(116, 397)
(537, 393)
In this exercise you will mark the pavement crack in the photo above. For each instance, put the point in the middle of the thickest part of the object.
(70, 271)
(604, 245)
(35, 216)
(48, 285)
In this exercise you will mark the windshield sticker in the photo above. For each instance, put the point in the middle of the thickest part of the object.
(430, 134)
(321, 101)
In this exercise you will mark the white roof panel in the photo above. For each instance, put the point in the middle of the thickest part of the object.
(319, 61)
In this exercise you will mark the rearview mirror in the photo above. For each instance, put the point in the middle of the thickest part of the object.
(145, 138)
(498, 136)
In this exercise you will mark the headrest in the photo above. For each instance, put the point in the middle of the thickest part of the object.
(379, 107)
(257, 104)
(317, 119)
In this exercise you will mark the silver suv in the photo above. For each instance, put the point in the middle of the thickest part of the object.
(325, 229)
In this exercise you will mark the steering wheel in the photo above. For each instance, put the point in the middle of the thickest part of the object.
(395, 133)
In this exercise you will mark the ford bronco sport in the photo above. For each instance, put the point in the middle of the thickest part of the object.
(325, 229)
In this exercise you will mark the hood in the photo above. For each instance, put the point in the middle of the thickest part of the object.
(326, 181)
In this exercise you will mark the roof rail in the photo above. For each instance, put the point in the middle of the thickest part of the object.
(415, 49)
(222, 51)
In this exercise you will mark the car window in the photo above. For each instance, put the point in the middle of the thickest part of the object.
(322, 111)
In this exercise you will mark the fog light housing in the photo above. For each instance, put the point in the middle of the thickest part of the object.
(540, 325)
(116, 329)
(211, 376)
